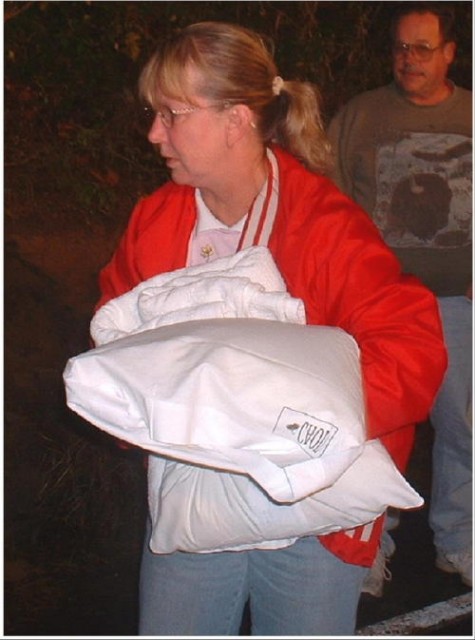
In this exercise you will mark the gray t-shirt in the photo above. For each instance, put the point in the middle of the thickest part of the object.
(410, 168)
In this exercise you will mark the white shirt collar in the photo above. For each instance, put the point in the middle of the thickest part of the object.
(207, 221)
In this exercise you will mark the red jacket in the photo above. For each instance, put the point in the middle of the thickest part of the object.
(332, 257)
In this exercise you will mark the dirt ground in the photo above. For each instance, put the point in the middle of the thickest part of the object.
(55, 465)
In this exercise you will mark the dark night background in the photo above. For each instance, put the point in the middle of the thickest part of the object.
(76, 161)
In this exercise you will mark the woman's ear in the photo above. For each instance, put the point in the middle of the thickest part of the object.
(240, 122)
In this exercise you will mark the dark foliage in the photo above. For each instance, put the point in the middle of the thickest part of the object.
(72, 128)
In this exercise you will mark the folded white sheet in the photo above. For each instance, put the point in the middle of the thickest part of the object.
(244, 285)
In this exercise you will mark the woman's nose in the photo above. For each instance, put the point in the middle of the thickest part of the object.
(158, 132)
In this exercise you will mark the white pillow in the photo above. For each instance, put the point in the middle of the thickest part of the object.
(280, 402)
(200, 510)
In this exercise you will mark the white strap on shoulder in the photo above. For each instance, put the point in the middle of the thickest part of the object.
(260, 221)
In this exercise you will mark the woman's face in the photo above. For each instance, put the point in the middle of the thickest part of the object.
(192, 139)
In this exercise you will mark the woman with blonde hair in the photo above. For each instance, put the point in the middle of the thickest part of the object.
(247, 156)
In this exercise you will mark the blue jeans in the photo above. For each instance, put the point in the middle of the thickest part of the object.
(450, 515)
(300, 590)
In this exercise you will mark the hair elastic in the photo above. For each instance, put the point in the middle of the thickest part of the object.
(277, 85)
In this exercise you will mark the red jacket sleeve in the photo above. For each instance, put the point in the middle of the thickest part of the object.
(121, 274)
(333, 258)
(155, 241)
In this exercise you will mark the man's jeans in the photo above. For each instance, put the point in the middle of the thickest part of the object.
(450, 514)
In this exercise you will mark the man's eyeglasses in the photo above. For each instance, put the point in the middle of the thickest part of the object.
(421, 51)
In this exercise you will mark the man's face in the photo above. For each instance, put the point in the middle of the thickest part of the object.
(422, 80)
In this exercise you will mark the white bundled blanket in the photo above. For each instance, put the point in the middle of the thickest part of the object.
(244, 285)
(258, 422)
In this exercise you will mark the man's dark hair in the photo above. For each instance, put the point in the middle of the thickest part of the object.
(442, 10)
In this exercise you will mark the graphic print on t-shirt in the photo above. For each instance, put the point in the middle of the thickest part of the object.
(424, 190)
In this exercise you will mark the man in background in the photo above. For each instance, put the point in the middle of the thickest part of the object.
(404, 153)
